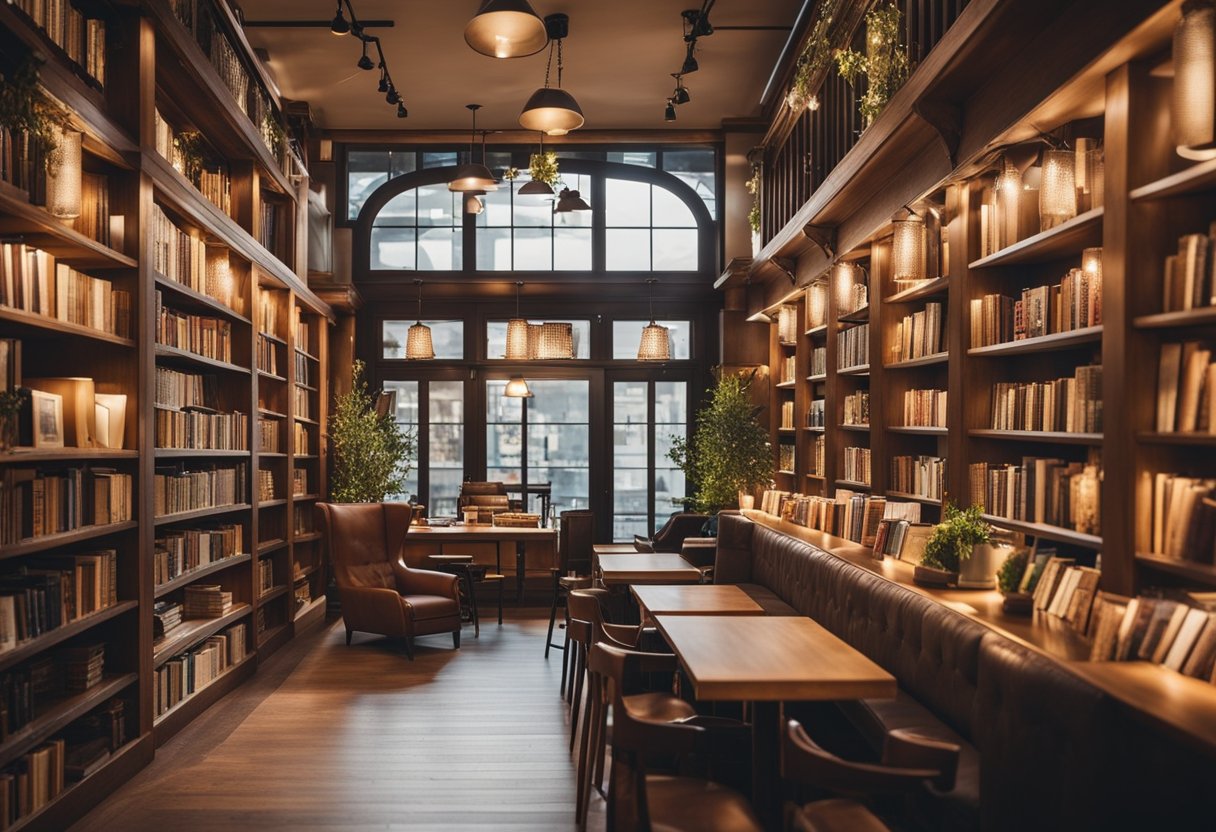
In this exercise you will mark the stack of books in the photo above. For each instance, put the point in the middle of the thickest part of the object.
(1190, 275)
(206, 601)
(1072, 404)
(857, 408)
(82, 666)
(1186, 389)
(1178, 633)
(166, 617)
(919, 334)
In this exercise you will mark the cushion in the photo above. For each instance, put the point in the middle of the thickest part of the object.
(424, 607)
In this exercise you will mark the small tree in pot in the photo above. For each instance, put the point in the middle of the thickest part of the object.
(951, 544)
(729, 452)
(371, 452)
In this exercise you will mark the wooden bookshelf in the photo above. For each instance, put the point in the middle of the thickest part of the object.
(1082, 231)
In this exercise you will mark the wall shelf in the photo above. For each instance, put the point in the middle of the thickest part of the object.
(1047, 532)
(1044, 343)
(1059, 437)
(1068, 238)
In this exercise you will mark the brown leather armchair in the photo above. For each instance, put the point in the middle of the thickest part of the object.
(379, 593)
(670, 538)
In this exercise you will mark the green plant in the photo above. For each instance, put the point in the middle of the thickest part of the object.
(543, 168)
(729, 449)
(371, 452)
(815, 56)
(1009, 576)
(10, 408)
(273, 134)
(884, 64)
(191, 151)
(25, 108)
(953, 538)
(753, 187)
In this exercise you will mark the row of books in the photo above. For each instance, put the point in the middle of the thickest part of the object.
(33, 281)
(1075, 303)
(857, 465)
(1060, 588)
(302, 403)
(82, 38)
(265, 576)
(23, 164)
(1186, 388)
(786, 458)
(36, 503)
(299, 481)
(272, 230)
(1190, 275)
(304, 520)
(27, 690)
(267, 485)
(94, 220)
(848, 513)
(268, 312)
(1184, 518)
(177, 489)
(177, 390)
(188, 673)
(901, 538)
(268, 356)
(1179, 633)
(925, 408)
(32, 782)
(1073, 405)
(304, 332)
(854, 347)
(303, 442)
(180, 551)
(819, 361)
(1055, 492)
(816, 415)
(186, 258)
(206, 601)
(199, 334)
(269, 440)
(817, 451)
(788, 371)
(921, 475)
(787, 415)
(918, 335)
(47, 593)
(195, 430)
(856, 409)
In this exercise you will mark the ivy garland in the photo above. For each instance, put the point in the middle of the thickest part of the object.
(815, 56)
(753, 188)
(885, 63)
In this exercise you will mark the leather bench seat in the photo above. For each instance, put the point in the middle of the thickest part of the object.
(768, 600)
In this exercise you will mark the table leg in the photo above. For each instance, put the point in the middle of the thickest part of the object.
(519, 570)
(473, 604)
(766, 777)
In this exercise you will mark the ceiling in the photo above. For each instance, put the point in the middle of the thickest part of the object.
(617, 62)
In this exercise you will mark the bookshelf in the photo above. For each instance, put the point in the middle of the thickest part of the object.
(166, 266)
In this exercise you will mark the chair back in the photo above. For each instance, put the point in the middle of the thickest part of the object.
(575, 541)
(680, 525)
(364, 539)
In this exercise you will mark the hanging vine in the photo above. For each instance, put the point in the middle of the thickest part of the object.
(753, 187)
(884, 64)
(815, 56)
(25, 108)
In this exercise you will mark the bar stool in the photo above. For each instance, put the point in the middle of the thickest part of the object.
(573, 570)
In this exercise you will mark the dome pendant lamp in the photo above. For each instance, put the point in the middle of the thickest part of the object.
(506, 29)
(656, 339)
(552, 110)
(473, 176)
(418, 343)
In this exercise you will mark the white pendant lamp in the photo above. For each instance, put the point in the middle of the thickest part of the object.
(418, 343)
(517, 332)
(552, 110)
(656, 339)
(517, 388)
(473, 176)
(506, 29)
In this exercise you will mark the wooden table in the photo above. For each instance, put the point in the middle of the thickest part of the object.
(695, 599)
(647, 568)
(614, 549)
(479, 533)
(767, 660)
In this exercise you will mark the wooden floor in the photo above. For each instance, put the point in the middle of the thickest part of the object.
(327, 737)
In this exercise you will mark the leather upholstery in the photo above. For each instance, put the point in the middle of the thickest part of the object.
(670, 538)
(379, 593)
(836, 815)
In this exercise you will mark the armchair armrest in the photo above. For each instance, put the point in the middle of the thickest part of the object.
(425, 581)
(373, 609)
(643, 544)
(904, 749)
(803, 760)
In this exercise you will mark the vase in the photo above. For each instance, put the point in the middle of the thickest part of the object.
(755, 243)
(979, 570)
(746, 501)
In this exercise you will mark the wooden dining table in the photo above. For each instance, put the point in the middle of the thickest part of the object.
(481, 533)
(646, 568)
(694, 599)
(767, 661)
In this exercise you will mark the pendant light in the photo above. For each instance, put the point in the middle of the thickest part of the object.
(656, 340)
(63, 180)
(568, 201)
(908, 249)
(552, 110)
(517, 388)
(534, 187)
(340, 26)
(517, 332)
(1193, 109)
(506, 29)
(472, 202)
(473, 176)
(418, 343)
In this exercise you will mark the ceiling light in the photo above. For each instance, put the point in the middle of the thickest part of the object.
(535, 187)
(418, 343)
(681, 95)
(568, 201)
(365, 62)
(383, 82)
(472, 176)
(401, 111)
(690, 62)
(517, 332)
(506, 29)
(552, 110)
(393, 97)
(340, 26)
(517, 388)
(656, 339)
(670, 113)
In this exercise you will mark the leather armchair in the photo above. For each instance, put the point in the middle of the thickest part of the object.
(379, 593)
(670, 538)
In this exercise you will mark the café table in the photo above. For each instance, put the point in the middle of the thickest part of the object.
(694, 599)
(646, 568)
(480, 533)
(768, 660)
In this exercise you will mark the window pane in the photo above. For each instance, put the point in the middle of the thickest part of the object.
(498, 208)
(558, 436)
(447, 337)
(406, 414)
(628, 249)
(670, 211)
(670, 402)
(628, 203)
(438, 160)
(559, 401)
(630, 459)
(393, 248)
(675, 250)
(359, 187)
(626, 335)
(400, 210)
(440, 249)
(363, 161)
(446, 452)
(696, 168)
(437, 205)
(493, 249)
(402, 161)
(575, 219)
(533, 249)
(572, 249)
(634, 157)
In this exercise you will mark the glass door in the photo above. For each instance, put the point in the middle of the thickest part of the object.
(647, 487)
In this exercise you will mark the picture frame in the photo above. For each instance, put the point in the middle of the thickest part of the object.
(47, 411)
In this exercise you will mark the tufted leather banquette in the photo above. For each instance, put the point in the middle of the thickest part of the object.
(1044, 748)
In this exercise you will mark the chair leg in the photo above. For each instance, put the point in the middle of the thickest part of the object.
(501, 581)
(565, 663)
(468, 576)
(552, 617)
(571, 660)
(409, 647)
(456, 639)
(600, 751)
(590, 729)
(579, 673)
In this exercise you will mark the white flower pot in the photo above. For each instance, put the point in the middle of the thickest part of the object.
(979, 570)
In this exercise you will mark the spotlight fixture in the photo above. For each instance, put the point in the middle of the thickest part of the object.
(535, 187)
(568, 201)
(696, 21)
(383, 81)
(393, 97)
(473, 176)
(402, 112)
(656, 339)
(365, 63)
(690, 61)
(681, 95)
(670, 113)
(506, 29)
(342, 26)
(418, 343)
(552, 110)
(339, 26)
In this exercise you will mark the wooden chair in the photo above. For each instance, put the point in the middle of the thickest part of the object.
(574, 555)
(379, 593)
(641, 801)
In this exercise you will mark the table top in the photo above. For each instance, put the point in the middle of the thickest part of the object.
(479, 531)
(648, 568)
(614, 549)
(770, 659)
(696, 599)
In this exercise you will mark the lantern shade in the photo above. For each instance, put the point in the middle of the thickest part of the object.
(517, 388)
(1193, 108)
(517, 340)
(1058, 188)
(63, 181)
(1091, 263)
(816, 305)
(506, 29)
(655, 344)
(908, 250)
(418, 344)
(220, 284)
(787, 324)
(472, 176)
(850, 294)
(550, 341)
(552, 111)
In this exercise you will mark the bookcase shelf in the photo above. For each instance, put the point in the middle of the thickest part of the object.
(817, 378)
(858, 370)
(193, 575)
(918, 431)
(855, 428)
(815, 430)
(309, 608)
(198, 453)
(278, 501)
(35, 226)
(1151, 437)
(272, 593)
(29, 325)
(861, 486)
(60, 713)
(916, 498)
(269, 546)
(34, 646)
(194, 630)
(198, 514)
(1082, 231)
(189, 299)
(176, 355)
(37, 456)
(307, 538)
(932, 288)
(271, 376)
(1204, 316)
(1047, 532)
(184, 712)
(816, 331)
(924, 361)
(1044, 343)
(1204, 573)
(786, 385)
(32, 545)
(1195, 179)
(860, 316)
(1060, 437)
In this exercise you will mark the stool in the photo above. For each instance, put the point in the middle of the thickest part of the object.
(470, 573)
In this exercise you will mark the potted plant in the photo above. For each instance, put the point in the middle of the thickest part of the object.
(1009, 581)
(10, 413)
(728, 454)
(951, 545)
(371, 452)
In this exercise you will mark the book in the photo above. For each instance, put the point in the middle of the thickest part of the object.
(1188, 634)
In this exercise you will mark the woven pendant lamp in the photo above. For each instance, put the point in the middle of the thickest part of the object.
(656, 340)
(517, 332)
(418, 343)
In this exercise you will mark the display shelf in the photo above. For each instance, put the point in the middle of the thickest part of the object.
(818, 378)
(271, 376)
(271, 546)
(60, 713)
(932, 288)
(273, 414)
(307, 355)
(855, 428)
(309, 608)
(1047, 532)
(185, 711)
(193, 575)
(816, 331)
(307, 538)
(1203, 316)
(279, 501)
(33, 646)
(32, 545)
(198, 453)
(272, 454)
(859, 316)
(1151, 437)
(31, 325)
(194, 359)
(194, 630)
(37, 227)
(198, 513)
(1054, 436)
(786, 385)
(303, 573)
(862, 486)
(42, 456)
(1195, 179)
(1044, 343)
(269, 336)
(857, 370)
(273, 593)
(916, 498)
(918, 431)
(1204, 573)
(184, 296)
(1066, 239)
(923, 361)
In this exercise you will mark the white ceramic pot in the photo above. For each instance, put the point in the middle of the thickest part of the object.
(979, 570)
